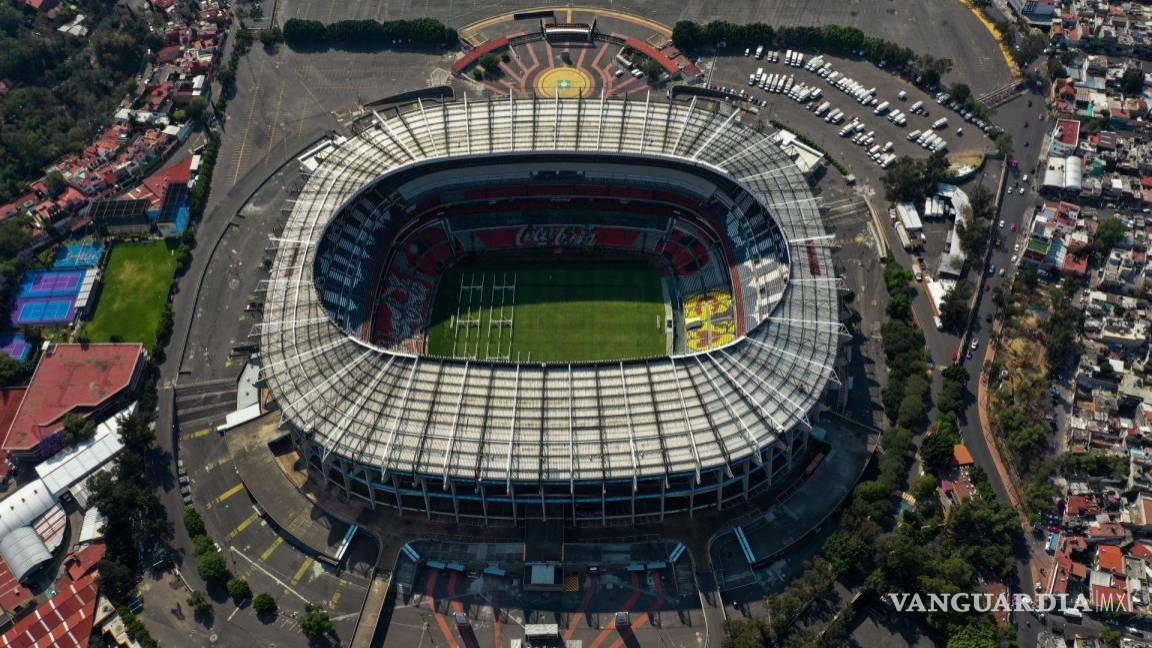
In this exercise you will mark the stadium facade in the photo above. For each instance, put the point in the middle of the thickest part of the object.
(382, 213)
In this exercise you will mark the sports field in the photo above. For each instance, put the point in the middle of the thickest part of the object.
(549, 311)
(134, 292)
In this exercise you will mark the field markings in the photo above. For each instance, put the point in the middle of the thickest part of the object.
(303, 569)
(225, 495)
(272, 549)
(257, 566)
(335, 600)
(240, 527)
(195, 435)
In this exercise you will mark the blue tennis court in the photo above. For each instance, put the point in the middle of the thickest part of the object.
(14, 345)
(44, 311)
(50, 283)
(78, 255)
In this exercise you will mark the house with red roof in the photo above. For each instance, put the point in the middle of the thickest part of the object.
(1110, 558)
(83, 379)
(64, 621)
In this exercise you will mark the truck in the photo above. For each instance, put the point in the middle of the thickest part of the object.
(940, 123)
(823, 108)
(881, 109)
(759, 52)
(916, 107)
(913, 135)
(902, 234)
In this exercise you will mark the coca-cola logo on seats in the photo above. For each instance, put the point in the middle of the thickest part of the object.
(556, 236)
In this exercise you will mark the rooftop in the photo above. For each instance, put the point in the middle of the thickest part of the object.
(70, 378)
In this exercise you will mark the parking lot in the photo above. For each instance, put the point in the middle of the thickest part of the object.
(733, 72)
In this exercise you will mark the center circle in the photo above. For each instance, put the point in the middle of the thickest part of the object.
(567, 82)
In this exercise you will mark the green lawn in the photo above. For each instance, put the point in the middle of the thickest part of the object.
(564, 311)
(133, 294)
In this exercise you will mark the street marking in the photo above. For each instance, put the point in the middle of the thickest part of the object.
(195, 435)
(216, 464)
(275, 545)
(336, 595)
(225, 495)
(267, 573)
(248, 125)
(304, 567)
(240, 527)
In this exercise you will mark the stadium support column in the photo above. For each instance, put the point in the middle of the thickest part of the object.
(396, 491)
(484, 502)
(746, 477)
(719, 490)
(427, 503)
(692, 498)
(663, 496)
(455, 503)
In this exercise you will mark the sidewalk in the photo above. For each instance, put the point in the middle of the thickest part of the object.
(1035, 558)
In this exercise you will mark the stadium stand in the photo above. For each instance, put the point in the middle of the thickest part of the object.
(593, 442)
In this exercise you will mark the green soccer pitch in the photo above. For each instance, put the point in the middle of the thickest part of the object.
(549, 310)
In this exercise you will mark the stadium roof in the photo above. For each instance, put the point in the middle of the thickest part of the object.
(76, 378)
(491, 421)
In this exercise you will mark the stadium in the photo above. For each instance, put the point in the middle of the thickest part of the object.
(604, 311)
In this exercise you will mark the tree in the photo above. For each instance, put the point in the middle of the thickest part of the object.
(202, 544)
(846, 553)
(924, 487)
(1004, 145)
(740, 633)
(55, 183)
(271, 37)
(13, 237)
(652, 69)
(936, 450)
(263, 603)
(961, 93)
(78, 428)
(974, 237)
(1132, 83)
(212, 567)
(196, 109)
(11, 371)
(117, 581)
(976, 635)
(314, 621)
(198, 601)
(193, 522)
(1109, 233)
(239, 590)
(954, 309)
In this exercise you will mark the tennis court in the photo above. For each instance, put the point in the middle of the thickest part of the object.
(14, 346)
(78, 256)
(50, 283)
(52, 310)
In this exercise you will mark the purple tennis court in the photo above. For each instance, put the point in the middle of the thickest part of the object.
(14, 345)
(51, 310)
(51, 283)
